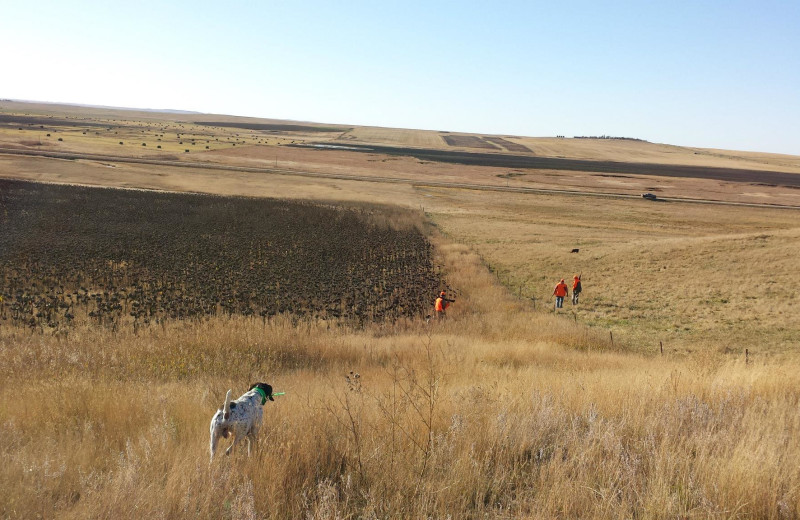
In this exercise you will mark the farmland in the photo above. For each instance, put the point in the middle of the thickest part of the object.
(132, 257)
(506, 409)
(468, 141)
(508, 145)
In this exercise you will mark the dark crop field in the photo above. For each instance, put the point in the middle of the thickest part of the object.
(134, 258)
(468, 141)
(508, 145)
(46, 122)
(272, 127)
(504, 160)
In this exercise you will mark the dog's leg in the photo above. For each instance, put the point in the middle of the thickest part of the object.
(214, 441)
(236, 439)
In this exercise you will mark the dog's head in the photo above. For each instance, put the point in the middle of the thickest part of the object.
(265, 390)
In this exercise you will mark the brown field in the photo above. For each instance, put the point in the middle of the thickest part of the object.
(394, 137)
(245, 256)
(508, 145)
(469, 141)
(640, 151)
(506, 410)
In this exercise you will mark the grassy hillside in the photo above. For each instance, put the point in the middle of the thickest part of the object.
(499, 412)
(691, 277)
(178, 132)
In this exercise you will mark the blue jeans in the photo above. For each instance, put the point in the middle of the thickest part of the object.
(559, 301)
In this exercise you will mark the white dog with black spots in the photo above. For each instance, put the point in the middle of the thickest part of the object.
(240, 418)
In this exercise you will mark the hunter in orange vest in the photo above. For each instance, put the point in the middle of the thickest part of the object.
(576, 289)
(442, 304)
(559, 292)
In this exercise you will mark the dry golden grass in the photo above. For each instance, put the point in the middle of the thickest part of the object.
(395, 137)
(498, 412)
(690, 276)
(139, 139)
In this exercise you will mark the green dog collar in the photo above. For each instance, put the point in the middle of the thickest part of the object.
(263, 395)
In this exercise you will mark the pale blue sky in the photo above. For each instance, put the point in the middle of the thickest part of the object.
(722, 74)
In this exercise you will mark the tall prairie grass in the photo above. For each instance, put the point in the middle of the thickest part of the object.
(497, 412)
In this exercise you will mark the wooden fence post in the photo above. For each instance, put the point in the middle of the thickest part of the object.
(661, 344)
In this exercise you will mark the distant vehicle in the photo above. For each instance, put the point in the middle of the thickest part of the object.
(649, 196)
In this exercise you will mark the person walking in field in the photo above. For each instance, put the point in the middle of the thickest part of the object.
(576, 288)
(442, 303)
(559, 292)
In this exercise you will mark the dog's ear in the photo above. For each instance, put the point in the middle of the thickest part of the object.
(266, 388)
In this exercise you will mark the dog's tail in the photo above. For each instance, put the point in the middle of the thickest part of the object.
(226, 408)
